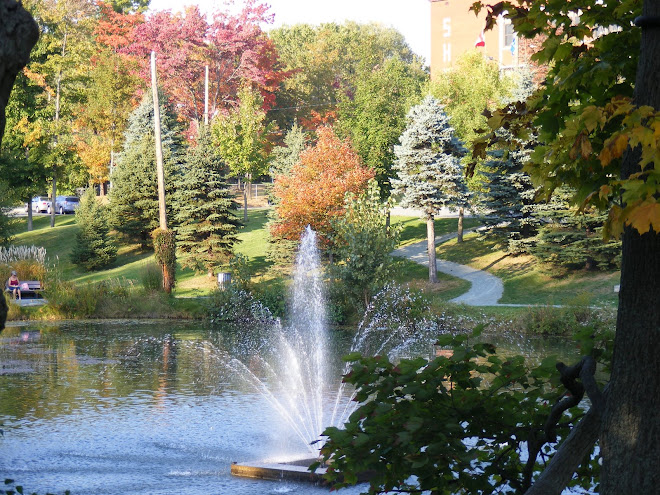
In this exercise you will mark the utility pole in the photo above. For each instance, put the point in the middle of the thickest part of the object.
(164, 241)
(159, 147)
(206, 96)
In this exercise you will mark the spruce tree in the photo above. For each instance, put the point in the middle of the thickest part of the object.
(571, 239)
(134, 193)
(206, 224)
(507, 194)
(94, 248)
(428, 164)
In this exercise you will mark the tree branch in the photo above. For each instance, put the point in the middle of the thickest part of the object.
(579, 442)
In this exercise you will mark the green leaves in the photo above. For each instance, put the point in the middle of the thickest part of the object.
(459, 423)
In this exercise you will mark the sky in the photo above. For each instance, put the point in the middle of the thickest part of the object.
(410, 17)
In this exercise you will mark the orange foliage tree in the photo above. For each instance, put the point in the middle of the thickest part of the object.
(313, 193)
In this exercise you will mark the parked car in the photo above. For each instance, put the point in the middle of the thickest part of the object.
(39, 204)
(66, 204)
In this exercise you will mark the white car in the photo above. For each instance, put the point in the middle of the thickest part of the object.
(40, 204)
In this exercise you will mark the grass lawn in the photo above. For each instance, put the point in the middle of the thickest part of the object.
(527, 282)
(132, 261)
(414, 228)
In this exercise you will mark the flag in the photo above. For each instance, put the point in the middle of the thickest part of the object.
(481, 41)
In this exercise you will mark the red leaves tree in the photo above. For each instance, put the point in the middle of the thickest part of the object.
(314, 192)
(233, 46)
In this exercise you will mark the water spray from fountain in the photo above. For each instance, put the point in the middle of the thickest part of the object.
(295, 377)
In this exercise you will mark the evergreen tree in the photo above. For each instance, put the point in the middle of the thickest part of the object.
(571, 239)
(134, 193)
(206, 225)
(429, 168)
(94, 248)
(507, 194)
(283, 158)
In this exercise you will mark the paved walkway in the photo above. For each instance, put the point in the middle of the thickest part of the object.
(486, 289)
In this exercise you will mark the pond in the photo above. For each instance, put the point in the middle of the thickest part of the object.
(145, 408)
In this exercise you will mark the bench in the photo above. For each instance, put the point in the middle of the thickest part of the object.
(29, 288)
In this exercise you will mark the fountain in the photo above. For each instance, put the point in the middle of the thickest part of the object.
(297, 384)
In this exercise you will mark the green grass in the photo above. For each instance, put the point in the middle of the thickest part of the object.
(525, 281)
(414, 228)
(528, 282)
(254, 239)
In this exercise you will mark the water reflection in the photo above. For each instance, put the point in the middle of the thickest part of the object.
(142, 408)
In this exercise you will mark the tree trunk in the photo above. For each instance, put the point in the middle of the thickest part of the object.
(53, 204)
(29, 214)
(459, 235)
(18, 34)
(630, 438)
(430, 246)
(245, 201)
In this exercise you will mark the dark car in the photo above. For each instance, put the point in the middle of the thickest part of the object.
(39, 204)
(66, 204)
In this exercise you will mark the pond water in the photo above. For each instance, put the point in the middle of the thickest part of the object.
(146, 408)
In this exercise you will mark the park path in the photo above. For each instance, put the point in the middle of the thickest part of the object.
(486, 289)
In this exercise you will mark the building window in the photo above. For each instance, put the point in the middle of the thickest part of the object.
(509, 34)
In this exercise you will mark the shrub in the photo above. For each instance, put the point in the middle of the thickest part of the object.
(94, 248)
(237, 306)
(151, 277)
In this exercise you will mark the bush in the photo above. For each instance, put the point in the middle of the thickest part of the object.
(234, 305)
(151, 277)
(94, 248)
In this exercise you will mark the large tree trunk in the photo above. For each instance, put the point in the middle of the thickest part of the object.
(18, 34)
(630, 438)
(430, 246)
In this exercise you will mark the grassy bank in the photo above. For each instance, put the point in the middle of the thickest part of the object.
(525, 281)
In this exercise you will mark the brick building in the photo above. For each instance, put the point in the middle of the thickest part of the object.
(455, 30)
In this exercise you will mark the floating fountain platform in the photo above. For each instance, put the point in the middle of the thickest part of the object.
(295, 470)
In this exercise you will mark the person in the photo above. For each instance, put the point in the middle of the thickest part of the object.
(14, 284)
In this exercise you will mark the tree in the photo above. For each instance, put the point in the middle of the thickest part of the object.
(134, 195)
(363, 243)
(206, 224)
(325, 62)
(109, 99)
(313, 194)
(473, 85)
(373, 114)
(242, 139)
(234, 48)
(506, 191)
(283, 158)
(466, 421)
(572, 239)
(429, 168)
(18, 34)
(94, 248)
(60, 66)
(602, 142)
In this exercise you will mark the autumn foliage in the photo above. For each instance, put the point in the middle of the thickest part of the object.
(313, 194)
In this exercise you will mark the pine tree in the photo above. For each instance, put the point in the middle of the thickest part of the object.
(507, 192)
(94, 248)
(134, 193)
(429, 168)
(206, 224)
(571, 239)
(283, 158)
